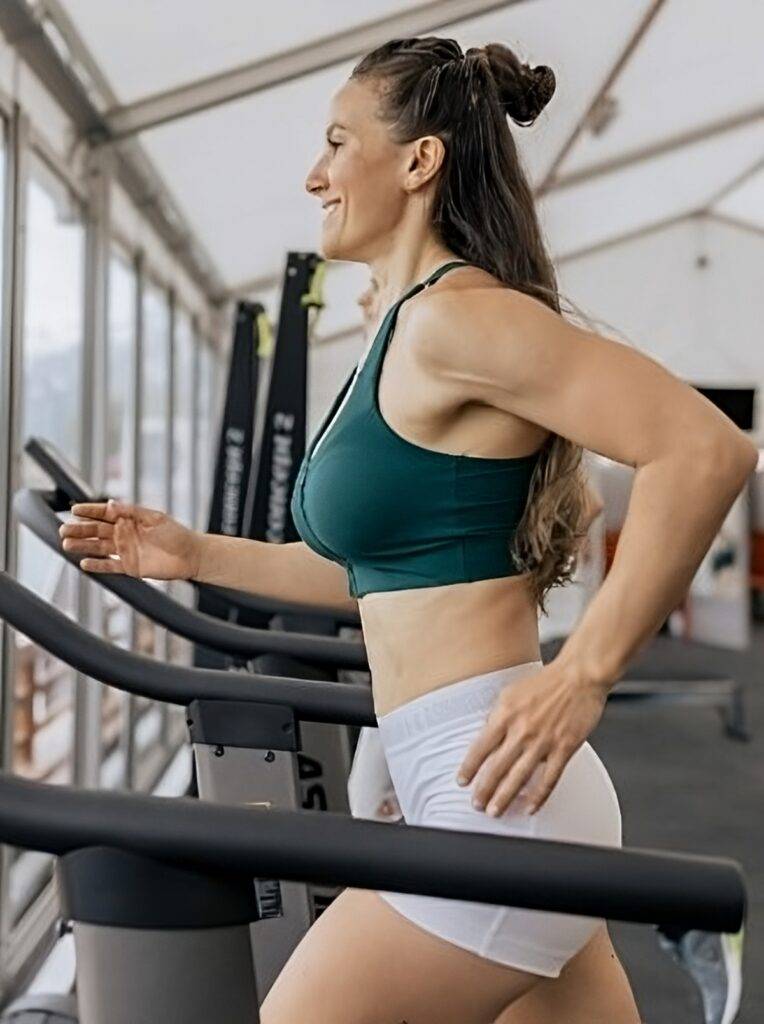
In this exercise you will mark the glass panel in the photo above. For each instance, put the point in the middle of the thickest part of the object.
(51, 406)
(121, 350)
(155, 406)
(51, 402)
(120, 415)
(182, 438)
(153, 489)
(206, 434)
(180, 650)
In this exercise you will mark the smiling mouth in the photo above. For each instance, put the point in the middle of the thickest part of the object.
(330, 208)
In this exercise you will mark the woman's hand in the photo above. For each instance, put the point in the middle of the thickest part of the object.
(545, 717)
(129, 540)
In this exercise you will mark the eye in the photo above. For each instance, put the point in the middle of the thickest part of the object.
(334, 145)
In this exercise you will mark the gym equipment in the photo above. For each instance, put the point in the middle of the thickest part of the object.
(327, 749)
(161, 898)
(38, 510)
(252, 498)
(245, 732)
(667, 670)
(246, 746)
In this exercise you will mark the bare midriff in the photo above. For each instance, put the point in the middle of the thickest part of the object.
(421, 639)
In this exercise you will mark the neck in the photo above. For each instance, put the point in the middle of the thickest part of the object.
(403, 266)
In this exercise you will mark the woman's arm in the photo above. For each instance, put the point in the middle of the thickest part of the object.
(287, 572)
(677, 506)
(691, 462)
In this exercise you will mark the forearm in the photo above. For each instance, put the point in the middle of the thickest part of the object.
(285, 572)
(676, 508)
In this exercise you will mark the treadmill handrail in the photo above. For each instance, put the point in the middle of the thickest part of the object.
(73, 487)
(33, 510)
(248, 601)
(647, 886)
(311, 700)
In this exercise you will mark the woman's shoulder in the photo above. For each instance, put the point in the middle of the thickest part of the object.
(455, 328)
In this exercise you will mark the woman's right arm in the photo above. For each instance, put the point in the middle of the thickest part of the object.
(119, 538)
(287, 572)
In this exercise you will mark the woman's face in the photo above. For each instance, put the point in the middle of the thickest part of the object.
(358, 177)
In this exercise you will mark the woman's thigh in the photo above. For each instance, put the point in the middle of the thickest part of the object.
(592, 989)
(364, 963)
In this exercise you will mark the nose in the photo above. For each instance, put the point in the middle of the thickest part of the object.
(316, 181)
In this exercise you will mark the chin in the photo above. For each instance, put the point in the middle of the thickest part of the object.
(331, 249)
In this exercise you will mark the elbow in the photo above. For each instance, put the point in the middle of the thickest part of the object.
(749, 457)
(735, 458)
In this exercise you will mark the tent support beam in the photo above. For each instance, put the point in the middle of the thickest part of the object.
(317, 55)
(674, 142)
(133, 170)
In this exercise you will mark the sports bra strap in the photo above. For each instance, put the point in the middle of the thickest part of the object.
(421, 285)
(437, 274)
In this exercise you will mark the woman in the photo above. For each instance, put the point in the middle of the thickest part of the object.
(444, 495)
(370, 789)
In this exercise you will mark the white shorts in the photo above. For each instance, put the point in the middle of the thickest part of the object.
(425, 741)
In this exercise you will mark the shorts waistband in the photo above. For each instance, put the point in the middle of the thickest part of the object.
(461, 699)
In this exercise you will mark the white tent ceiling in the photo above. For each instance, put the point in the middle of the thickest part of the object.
(658, 110)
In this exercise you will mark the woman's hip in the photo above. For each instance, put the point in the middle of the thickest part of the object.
(425, 742)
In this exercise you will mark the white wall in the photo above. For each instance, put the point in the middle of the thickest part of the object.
(702, 322)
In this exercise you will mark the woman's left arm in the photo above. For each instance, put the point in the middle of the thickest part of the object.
(691, 462)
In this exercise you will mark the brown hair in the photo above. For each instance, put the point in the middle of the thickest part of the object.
(483, 211)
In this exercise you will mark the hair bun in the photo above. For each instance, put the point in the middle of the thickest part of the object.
(523, 91)
(540, 90)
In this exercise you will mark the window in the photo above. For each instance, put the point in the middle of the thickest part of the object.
(153, 484)
(180, 650)
(155, 400)
(120, 421)
(120, 408)
(206, 432)
(51, 406)
(183, 411)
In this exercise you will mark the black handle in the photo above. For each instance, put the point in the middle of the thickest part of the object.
(340, 703)
(668, 889)
(33, 510)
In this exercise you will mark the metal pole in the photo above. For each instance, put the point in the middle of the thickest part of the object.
(14, 234)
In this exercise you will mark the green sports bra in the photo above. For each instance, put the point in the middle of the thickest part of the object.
(395, 514)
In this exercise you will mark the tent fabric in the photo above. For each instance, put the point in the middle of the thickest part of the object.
(663, 119)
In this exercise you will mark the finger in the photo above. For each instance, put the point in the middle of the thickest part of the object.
(109, 511)
(509, 787)
(105, 565)
(91, 529)
(489, 738)
(495, 768)
(89, 546)
(553, 769)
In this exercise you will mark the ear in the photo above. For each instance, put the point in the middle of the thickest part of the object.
(424, 160)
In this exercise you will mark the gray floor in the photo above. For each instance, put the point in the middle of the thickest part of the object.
(684, 786)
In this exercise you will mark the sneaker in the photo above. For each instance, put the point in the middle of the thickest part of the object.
(715, 963)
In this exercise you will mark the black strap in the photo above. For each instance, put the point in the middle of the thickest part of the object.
(437, 274)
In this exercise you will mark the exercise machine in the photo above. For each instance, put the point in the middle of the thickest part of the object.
(245, 734)
(163, 908)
